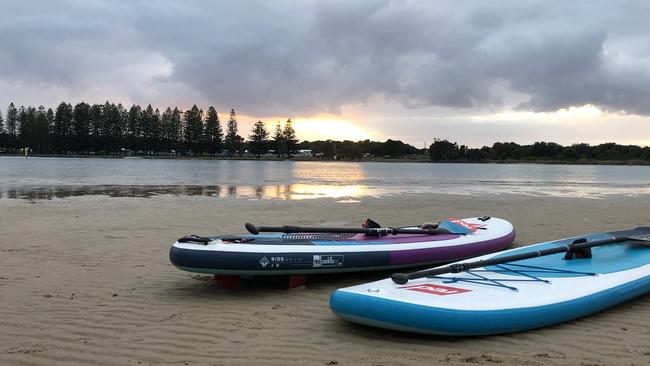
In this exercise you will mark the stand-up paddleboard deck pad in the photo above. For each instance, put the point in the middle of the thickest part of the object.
(288, 254)
(509, 297)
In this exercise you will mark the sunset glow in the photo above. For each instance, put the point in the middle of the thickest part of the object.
(330, 128)
(572, 113)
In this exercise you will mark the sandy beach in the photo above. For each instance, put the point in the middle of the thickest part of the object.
(87, 280)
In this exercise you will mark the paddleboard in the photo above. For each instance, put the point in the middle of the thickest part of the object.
(306, 253)
(509, 297)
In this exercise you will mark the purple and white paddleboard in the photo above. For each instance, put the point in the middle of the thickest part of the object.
(291, 254)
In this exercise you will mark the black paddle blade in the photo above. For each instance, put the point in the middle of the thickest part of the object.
(370, 224)
(195, 239)
(252, 228)
(638, 236)
(642, 233)
(400, 278)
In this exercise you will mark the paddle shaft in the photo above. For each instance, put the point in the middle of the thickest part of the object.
(368, 231)
(402, 278)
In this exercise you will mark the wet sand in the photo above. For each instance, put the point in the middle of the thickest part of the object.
(87, 280)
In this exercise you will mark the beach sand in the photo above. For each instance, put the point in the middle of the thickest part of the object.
(87, 280)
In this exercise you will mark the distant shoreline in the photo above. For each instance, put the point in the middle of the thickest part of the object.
(417, 159)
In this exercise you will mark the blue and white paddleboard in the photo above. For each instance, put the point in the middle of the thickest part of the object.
(503, 298)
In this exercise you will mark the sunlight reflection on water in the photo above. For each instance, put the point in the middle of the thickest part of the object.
(48, 178)
(282, 192)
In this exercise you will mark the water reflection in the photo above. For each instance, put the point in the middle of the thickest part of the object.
(48, 178)
(283, 192)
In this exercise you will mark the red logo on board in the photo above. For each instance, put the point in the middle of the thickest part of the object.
(429, 288)
(464, 224)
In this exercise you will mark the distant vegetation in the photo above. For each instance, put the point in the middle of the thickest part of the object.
(349, 150)
(446, 151)
(113, 130)
(109, 129)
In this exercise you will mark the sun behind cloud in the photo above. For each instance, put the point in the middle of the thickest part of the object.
(327, 128)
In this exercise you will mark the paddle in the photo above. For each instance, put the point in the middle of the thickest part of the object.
(579, 247)
(451, 226)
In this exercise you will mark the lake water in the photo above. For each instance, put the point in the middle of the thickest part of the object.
(46, 178)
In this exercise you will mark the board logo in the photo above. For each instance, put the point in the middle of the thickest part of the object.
(466, 225)
(264, 262)
(429, 288)
(327, 261)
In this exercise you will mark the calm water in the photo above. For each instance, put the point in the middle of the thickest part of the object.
(45, 178)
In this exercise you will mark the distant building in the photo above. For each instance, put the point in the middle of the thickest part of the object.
(305, 152)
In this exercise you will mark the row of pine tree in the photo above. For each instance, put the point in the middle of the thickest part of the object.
(114, 130)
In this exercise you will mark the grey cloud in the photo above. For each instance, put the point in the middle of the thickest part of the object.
(303, 57)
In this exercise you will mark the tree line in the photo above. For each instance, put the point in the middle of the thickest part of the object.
(112, 129)
(443, 150)
(350, 150)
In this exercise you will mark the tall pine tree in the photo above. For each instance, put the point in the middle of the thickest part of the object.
(133, 132)
(156, 132)
(176, 130)
(50, 123)
(33, 128)
(26, 119)
(81, 127)
(213, 132)
(120, 129)
(233, 140)
(290, 140)
(62, 129)
(96, 126)
(259, 139)
(12, 114)
(194, 130)
(112, 128)
(278, 141)
(5, 139)
(166, 129)
(40, 137)
(146, 120)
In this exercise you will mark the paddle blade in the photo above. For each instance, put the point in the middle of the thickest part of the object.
(370, 224)
(639, 235)
(252, 228)
(458, 226)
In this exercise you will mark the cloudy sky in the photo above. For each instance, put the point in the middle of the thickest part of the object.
(474, 72)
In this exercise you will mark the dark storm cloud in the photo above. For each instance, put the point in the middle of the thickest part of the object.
(310, 57)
